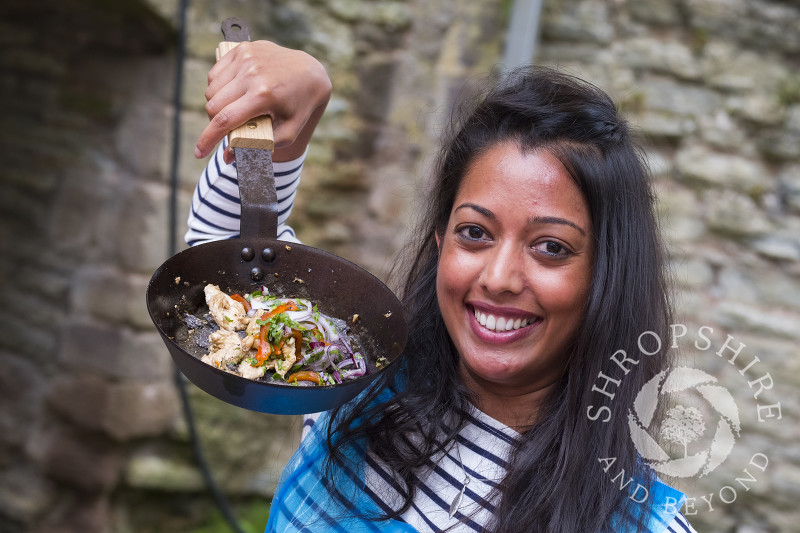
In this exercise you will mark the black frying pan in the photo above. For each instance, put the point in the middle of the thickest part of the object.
(340, 288)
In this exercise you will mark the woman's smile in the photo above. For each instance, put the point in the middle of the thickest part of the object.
(514, 270)
(499, 325)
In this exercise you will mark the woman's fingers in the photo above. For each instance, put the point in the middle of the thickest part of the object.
(262, 78)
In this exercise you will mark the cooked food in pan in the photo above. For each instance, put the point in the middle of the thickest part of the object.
(259, 335)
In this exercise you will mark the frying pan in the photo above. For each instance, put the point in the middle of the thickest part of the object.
(340, 288)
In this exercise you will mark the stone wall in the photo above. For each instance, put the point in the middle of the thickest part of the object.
(91, 434)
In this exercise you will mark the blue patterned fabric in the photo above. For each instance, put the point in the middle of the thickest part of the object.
(303, 501)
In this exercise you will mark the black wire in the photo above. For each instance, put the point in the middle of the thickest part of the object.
(188, 412)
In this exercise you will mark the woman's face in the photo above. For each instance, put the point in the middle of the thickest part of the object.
(514, 270)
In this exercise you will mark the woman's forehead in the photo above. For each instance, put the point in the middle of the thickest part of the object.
(506, 178)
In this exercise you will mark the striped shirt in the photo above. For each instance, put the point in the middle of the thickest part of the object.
(216, 208)
(482, 446)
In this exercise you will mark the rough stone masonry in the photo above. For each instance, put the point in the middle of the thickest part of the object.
(91, 433)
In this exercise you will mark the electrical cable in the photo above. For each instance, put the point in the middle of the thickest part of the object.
(188, 412)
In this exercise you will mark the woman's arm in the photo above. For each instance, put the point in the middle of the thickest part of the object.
(255, 79)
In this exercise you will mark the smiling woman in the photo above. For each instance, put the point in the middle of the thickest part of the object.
(538, 256)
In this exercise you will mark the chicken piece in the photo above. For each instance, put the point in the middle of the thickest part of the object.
(227, 312)
(251, 332)
(225, 347)
(252, 372)
(289, 357)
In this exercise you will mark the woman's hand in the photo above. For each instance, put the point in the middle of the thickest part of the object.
(262, 78)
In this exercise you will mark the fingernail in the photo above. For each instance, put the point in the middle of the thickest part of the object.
(197, 153)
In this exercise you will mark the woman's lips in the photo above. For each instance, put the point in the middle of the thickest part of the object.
(496, 326)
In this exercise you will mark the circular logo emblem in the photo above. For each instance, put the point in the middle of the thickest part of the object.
(683, 424)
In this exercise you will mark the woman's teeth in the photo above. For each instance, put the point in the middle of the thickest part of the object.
(500, 324)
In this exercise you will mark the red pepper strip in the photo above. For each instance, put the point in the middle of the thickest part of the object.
(239, 298)
(264, 348)
(305, 375)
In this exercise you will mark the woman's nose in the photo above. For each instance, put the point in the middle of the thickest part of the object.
(503, 270)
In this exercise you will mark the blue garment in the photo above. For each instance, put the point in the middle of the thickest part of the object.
(303, 502)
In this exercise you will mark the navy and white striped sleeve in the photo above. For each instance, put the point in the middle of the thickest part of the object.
(679, 524)
(216, 209)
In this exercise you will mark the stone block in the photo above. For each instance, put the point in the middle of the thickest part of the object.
(655, 12)
(751, 319)
(154, 468)
(733, 68)
(789, 179)
(793, 118)
(141, 231)
(145, 358)
(782, 247)
(24, 493)
(111, 296)
(73, 222)
(85, 514)
(136, 305)
(781, 145)
(721, 131)
(195, 81)
(669, 96)
(123, 410)
(763, 285)
(101, 292)
(662, 125)
(142, 137)
(666, 56)
(757, 108)
(114, 352)
(137, 410)
(22, 385)
(680, 213)
(734, 215)
(709, 167)
(19, 336)
(82, 459)
(692, 274)
(190, 168)
(577, 21)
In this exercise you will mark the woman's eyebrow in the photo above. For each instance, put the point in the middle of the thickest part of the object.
(482, 210)
(555, 220)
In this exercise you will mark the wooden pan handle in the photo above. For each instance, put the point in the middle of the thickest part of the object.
(256, 132)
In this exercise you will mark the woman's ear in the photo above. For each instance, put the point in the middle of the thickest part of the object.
(438, 241)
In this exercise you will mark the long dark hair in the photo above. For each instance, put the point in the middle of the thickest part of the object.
(554, 481)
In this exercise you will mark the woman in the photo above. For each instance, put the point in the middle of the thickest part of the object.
(538, 259)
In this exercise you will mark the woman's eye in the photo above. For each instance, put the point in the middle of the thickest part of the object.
(473, 233)
(553, 249)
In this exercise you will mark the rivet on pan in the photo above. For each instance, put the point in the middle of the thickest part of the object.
(252, 125)
(256, 274)
(268, 255)
(248, 254)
